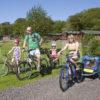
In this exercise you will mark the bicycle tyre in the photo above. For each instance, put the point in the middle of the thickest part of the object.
(64, 78)
(79, 73)
(24, 70)
(99, 71)
(44, 66)
(3, 70)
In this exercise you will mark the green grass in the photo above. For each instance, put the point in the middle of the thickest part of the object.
(11, 80)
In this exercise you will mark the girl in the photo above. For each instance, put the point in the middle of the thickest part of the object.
(54, 52)
(73, 46)
(16, 52)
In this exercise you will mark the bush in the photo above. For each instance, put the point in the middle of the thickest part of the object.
(86, 43)
(90, 45)
(95, 47)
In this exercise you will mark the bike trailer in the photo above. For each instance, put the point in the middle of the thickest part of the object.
(87, 60)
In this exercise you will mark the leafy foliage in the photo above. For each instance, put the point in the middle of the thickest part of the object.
(87, 20)
(19, 26)
(5, 28)
(38, 19)
(90, 45)
(95, 47)
(87, 43)
(58, 26)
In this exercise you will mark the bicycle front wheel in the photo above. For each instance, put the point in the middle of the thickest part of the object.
(44, 66)
(64, 78)
(3, 69)
(24, 70)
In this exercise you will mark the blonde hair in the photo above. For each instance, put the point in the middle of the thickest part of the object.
(72, 37)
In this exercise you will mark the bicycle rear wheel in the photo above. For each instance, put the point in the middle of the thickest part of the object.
(24, 70)
(79, 73)
(64, 78)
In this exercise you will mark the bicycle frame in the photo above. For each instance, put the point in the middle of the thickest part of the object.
(69, 67)
(10, 65)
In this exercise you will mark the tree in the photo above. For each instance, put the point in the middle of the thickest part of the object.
(5, 28)
(58, 26)
(19, 26)
(87, 20)
(38, 19)
(74, 22)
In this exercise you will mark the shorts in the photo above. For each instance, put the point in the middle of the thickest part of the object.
(35, 52)
(74, 56)
(16, 57)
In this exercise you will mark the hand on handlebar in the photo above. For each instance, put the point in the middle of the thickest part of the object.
(23, 49)
(59, 53)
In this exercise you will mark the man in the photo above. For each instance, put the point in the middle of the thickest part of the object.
(33, 41)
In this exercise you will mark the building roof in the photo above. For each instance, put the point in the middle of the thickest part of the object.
(91, 32)
(77, 32)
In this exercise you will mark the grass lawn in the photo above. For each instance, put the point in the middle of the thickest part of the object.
(11, 80)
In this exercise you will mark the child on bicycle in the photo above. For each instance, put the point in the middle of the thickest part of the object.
(73, 47)
(53, 50)
(16, 51)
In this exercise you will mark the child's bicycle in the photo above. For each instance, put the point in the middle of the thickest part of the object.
(89, 66)
(7, 67)
(69, 74)
(26, 66)
(53, 63)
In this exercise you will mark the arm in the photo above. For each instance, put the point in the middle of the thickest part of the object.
(77, 47)
(63, 49)
(24, 44)
(25, 41)
(41, 40)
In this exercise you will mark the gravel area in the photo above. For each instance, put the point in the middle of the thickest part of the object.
(48, 89)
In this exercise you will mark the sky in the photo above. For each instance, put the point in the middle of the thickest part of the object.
(10, 10)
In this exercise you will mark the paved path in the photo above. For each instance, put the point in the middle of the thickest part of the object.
(48, 89)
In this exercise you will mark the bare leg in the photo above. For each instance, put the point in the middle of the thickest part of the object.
(12, 61)
(38, 62)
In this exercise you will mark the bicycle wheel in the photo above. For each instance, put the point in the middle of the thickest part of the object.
(44, 66)
(24, 70)
(79, 73)
(52, 64)
(3, 69)
(64, 78)
(33, 65)
(99, 71)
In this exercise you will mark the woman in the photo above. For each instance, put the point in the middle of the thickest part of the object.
(73, 47)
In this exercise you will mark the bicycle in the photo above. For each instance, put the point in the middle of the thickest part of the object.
(69, 74)
(26, 66)
(52, 61)
(7, 67)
